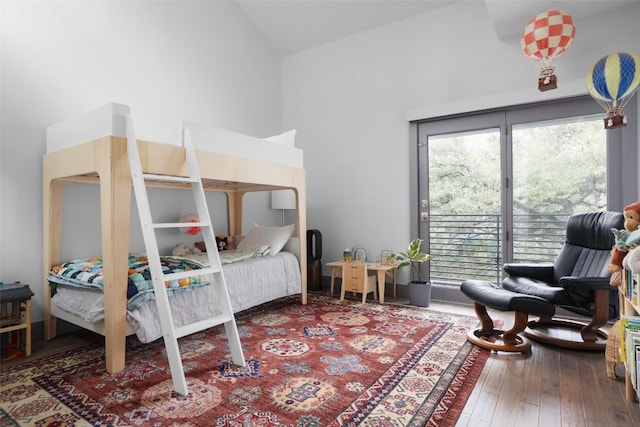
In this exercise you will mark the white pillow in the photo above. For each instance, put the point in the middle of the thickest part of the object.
(287, 138)
(275, 237)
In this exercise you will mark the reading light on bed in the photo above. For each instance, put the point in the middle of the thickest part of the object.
(283, 200)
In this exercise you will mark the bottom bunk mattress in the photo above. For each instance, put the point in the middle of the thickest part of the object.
(250, 282)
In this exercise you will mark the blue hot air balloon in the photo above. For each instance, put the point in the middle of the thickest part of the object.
(612, 81)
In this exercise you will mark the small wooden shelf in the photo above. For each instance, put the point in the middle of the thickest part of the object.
(15, 316)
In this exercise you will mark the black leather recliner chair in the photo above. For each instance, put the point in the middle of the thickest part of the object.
(577, 281)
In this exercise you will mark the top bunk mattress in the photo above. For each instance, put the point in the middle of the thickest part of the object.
(108, 120)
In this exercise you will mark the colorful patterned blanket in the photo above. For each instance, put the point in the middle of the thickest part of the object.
(88, 273)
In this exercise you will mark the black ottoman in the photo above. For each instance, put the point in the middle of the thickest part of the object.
(485, 294)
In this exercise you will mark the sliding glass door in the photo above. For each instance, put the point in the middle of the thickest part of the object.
(461, 204)
(498, 187)
(559, 168)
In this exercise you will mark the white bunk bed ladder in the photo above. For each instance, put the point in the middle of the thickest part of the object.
(223, 303)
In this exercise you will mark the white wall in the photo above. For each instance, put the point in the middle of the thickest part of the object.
(201, 61)
(351, 100)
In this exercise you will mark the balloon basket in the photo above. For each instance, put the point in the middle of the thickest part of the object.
(547, 83)
(615, 122)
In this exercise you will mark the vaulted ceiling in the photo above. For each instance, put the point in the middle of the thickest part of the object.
(294, 25)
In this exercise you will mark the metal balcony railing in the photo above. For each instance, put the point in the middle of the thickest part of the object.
(470, 246)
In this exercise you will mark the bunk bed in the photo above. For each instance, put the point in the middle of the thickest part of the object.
(92, 149)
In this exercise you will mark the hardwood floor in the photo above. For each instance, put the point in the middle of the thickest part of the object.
(69, 341)
(548, 387)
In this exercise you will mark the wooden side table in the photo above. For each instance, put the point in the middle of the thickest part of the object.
(13, 318)
(382, 271)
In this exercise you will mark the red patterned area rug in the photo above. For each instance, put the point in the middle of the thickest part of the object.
(327, 363)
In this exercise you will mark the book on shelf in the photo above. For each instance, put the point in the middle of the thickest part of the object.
(635, 350)
(630, 321)
(630, 326)
(635, 284)
(630, 286)
(637, 372)
(632, 348)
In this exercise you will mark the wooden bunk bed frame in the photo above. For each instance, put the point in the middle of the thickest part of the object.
(104, 162)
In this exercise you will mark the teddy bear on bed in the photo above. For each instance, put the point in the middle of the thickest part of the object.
(225, 243)
(182, 249)
(222, 242)
(621, 248)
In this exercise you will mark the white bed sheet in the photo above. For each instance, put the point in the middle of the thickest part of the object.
(250, 283)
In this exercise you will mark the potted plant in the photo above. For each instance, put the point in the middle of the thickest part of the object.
(419, 289)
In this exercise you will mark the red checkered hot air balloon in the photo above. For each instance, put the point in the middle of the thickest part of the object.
(545, 37)
(612, 81)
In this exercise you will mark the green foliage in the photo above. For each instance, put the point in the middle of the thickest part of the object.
(559, 168)
(464, 174)
(412, 257)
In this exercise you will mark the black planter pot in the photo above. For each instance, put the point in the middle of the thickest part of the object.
(419, 293)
